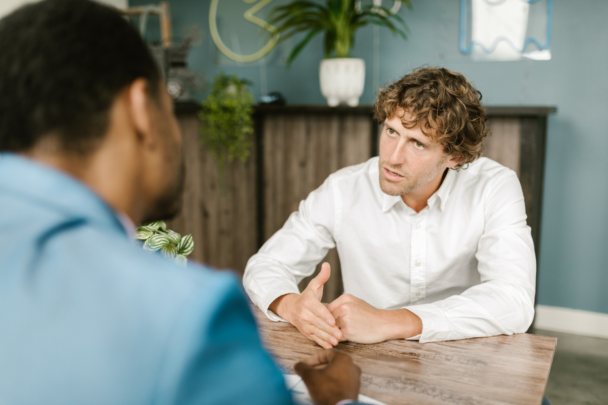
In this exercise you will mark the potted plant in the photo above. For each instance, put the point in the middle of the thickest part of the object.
(342, 76)
(156, 236)
(226, 123)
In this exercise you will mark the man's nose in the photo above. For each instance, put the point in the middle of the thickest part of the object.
(397, 156)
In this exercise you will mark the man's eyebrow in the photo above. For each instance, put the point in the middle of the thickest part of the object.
(390, 127)
(411, 138)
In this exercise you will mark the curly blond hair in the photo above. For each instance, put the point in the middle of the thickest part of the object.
(444, 104)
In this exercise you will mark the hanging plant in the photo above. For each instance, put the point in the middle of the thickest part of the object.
(226, 123)
(171, 244)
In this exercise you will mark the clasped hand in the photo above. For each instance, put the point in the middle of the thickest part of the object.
(347, 318)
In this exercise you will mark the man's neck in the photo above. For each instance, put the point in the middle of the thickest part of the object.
(418, 199)
(93, 171)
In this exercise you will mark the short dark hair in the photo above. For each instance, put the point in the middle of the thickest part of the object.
(442, 101)
(62, 64)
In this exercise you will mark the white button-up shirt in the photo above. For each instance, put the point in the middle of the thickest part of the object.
(465, 264)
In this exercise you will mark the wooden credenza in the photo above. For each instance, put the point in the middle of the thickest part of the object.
(295, 149)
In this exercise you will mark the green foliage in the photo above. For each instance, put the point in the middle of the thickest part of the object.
(339, 20)
(171, 244)
(227, 126)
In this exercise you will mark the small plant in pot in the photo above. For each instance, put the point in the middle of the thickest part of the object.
(342, 76)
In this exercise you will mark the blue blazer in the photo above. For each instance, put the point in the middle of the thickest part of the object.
(88, 317)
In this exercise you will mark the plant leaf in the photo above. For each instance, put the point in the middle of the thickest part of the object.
(186, 245)
(156, 242)
(153, 226)
(174, 237)
(157, 225)
(181, 260)
(143, 233)
(296, 51)
(169, 250)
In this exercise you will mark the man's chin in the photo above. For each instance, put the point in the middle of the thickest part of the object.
(169, 205)
(390, 188)
(165, 211)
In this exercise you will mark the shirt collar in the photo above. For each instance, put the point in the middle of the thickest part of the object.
(55, 190)
(388, 201)
(127, 224)
(444, 190)
(441, 195)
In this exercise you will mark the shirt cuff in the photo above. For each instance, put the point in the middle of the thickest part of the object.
(435, 326)
(273, 295)
(345, 402)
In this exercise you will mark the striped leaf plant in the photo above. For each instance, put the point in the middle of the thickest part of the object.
(156, 236)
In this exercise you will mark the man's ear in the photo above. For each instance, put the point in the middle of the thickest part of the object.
(138, 96)
(453, 160)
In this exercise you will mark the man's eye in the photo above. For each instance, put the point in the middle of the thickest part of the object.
(391, 131)
(419, 145)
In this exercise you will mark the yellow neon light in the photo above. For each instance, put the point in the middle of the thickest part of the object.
(249, 16)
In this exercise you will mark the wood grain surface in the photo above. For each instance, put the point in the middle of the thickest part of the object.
(494, 370)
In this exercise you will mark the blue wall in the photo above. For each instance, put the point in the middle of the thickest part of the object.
(574, 244)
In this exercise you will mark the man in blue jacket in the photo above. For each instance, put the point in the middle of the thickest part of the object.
(90, 146)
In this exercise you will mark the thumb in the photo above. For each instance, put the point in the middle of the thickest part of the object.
(303, 370)
(322, 277)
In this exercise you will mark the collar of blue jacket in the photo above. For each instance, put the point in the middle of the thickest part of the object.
(55, 190)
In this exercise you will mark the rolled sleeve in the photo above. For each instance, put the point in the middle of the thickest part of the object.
(435, 326)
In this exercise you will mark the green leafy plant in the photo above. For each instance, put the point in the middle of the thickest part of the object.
(339, 20)
(171, 244)
(227, 126)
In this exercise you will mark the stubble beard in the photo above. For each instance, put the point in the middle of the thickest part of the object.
(410, 184)
(169, 203)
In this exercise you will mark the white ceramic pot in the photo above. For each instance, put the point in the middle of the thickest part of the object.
(342, 80)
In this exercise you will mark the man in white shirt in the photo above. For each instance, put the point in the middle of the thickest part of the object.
(432, 239)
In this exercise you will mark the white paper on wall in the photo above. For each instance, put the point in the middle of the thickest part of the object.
(505, 30)
(499, 31)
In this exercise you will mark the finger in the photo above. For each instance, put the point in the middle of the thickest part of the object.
(340, 323)
(340, 358)
(320, 358)
(326, 337)
(339, 312)
(302, 369)
(343, 330)
(321, 278)
(319, 341)
(336, 303)
(322, 312)
(318, 323)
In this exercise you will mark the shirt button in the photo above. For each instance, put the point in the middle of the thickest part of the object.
(418, 294)
(432, 337)
(417, 263)
(417, 226)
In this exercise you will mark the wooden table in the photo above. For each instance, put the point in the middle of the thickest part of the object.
(495, 370)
